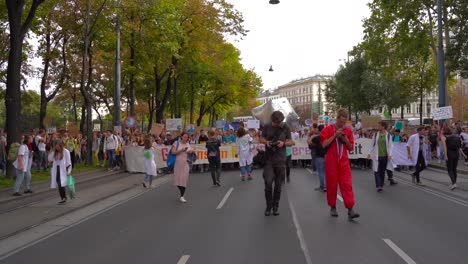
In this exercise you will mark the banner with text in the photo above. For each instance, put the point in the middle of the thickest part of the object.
(134, 157)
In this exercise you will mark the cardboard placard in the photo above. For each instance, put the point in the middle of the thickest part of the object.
(157, 129)
(97, 127)
(370, 121)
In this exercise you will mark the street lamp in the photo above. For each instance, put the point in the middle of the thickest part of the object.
(274, 2)
(271, 68)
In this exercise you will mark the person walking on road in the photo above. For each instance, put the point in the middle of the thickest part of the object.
(150, 164)
(415, 147)
(276, 137)
(61, 168)
(338, 139)
(319, 159)
(23, 167)
(110, 145)
(214, 157)
(381, 155)
(452, 148)
(244, 150)
(181, 169)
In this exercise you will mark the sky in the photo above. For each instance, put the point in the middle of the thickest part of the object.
(299, 38)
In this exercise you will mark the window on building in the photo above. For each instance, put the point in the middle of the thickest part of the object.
(408, 109)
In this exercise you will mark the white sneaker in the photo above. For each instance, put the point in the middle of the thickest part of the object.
(453, 187)
(182, 199)
(466, 163)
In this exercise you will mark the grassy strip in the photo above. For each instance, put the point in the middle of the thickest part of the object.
(45, 175)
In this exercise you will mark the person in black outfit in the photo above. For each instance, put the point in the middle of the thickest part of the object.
(319, 159)
(452, 147)
(276, 137)
(214, 157)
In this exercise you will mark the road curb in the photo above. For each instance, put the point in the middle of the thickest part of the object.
(442, 167)
(18, 198)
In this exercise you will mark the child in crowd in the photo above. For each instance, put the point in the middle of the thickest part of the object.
(150, 164)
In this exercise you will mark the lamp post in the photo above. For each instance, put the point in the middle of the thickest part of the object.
(441, 57)
(274, 2)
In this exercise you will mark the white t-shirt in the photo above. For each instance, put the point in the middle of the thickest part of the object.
(40, 144)
(464, 136)
(358, 125)
(22, 151)
(150, 164)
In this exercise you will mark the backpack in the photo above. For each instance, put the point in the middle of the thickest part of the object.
(171, 158)
(13, 151)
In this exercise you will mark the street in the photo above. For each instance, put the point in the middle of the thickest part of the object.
(404, 224)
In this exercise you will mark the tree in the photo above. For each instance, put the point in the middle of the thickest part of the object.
(18, 30)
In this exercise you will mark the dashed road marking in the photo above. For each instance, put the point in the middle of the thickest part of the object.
(221, 204)
(399, 251)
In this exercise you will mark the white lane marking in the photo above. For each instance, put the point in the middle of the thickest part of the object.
(400, 252)
(311, 172)
(225, 199)
(300, 235)
(340, 198)
(183, 259)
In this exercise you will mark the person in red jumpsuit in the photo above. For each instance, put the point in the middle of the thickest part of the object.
(338, 140)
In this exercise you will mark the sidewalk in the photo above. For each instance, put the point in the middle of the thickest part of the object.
(462, 169)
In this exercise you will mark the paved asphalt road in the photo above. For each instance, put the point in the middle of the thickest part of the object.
(404, 224)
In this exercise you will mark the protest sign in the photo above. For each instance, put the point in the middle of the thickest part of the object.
(174, 124)
(253, 124)
(220, 124)
(97, 127)
(442, 113)
(157, 129)
(368, 121)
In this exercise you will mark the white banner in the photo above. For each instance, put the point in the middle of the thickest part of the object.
(135, 160)
(400, 154)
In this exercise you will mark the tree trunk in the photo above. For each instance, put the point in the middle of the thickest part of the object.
(402, 113)
(421, 108)
(192, 101)
(75, 111)
(45, 76)
(176, 100)
(83, 118)
(84, 92)
(132, 75)
(160, 112)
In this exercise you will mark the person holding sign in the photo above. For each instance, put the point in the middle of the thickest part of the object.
(338, 139)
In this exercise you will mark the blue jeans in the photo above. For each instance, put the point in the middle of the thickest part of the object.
(149, 179)
(320, 165)
(111, 157)
(20, 175)
(246, 170)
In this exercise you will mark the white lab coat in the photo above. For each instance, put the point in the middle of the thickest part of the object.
(244, 150)
(374, 151)
(63, 164)
(413, 143)
(150, 164)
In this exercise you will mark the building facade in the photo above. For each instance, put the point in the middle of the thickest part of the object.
(307, 95)
(267, 95)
